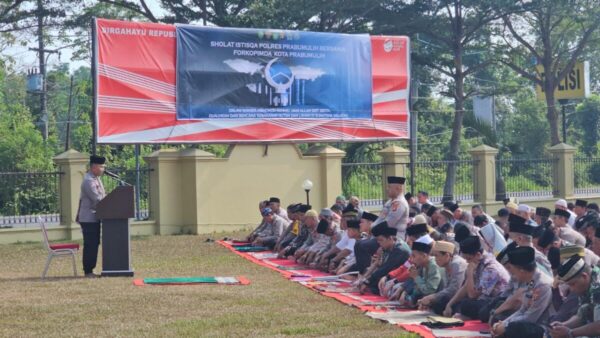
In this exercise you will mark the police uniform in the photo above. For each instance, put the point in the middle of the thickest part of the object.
(531, 319)
(520, 225)
(566, 232)
(395, 211)
(571, 236)
(92, 192)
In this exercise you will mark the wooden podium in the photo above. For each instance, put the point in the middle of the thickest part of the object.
(115, 210)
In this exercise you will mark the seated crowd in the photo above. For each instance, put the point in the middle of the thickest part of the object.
(527, 272)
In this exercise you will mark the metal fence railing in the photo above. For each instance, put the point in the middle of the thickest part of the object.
(366, 180)
(430, 176)
(26, 195)
(587, 175)
(525, 177)
(141, 181)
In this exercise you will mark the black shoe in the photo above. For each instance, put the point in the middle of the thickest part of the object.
(91, 275)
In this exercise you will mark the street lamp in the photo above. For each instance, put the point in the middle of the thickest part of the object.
(307, 185)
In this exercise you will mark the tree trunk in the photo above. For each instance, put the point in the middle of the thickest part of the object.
(459, 98)
(454, 142)
(552, 113)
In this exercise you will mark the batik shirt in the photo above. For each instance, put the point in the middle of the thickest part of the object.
(490, 277)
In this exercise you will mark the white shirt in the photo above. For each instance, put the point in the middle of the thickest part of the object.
(346, 242)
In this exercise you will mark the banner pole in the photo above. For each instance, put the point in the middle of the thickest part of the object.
(94, 86)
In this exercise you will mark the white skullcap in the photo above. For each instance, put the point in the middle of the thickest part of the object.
(561, 203)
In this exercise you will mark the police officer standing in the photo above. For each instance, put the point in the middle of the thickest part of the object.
(92, 192)
(395, 211)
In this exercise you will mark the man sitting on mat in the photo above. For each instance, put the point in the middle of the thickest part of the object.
(320, 240)
(367, 246)
(455, 266)
(310, 240)
(485, 279)
(341, 247)
(308, 221)
(393, 252)
(531, 318)
(252, 236)
(292, 230)
(345, 260)
(273, 228)
(425, 275)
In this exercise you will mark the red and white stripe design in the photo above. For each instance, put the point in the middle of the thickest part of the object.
(136, 96)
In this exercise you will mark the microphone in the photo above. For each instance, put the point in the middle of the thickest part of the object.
(111, 174)
(116, 177)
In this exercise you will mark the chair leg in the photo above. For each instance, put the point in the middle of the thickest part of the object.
(47, 265)
(74, 265)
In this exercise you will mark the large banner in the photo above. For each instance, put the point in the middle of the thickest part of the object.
(164, 84)
(248, 73)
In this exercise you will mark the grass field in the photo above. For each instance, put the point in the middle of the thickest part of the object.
(109, 307)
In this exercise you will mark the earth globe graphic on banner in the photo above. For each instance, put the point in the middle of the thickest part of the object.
(280, 77)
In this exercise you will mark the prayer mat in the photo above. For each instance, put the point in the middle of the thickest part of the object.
(192, 281)
(290, 268)
(263, 255)
(374, 305)
(401, 317)
(471, 328)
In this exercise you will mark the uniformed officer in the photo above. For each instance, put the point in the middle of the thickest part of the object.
(584, 281)
(521, 232)
(92, 192)
(395, 211)
(531, 318)
(561, 217)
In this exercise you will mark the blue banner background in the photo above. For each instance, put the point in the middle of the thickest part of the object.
(255, 73)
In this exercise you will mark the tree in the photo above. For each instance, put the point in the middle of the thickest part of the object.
(588, 121)
(550, 33)
(447, 33)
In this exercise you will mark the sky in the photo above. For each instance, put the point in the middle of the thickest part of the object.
(26, 59)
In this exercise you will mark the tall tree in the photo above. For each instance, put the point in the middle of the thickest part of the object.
(550, 33)
(448, 34)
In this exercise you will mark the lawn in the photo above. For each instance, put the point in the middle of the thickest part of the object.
(270, 307)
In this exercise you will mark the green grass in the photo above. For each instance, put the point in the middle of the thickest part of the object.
(107, 307)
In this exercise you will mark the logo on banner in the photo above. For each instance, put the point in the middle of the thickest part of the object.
(388, 45)
(277, 83)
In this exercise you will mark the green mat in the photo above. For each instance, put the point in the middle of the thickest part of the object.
(251, 248)
(291, 268)
(186, 280)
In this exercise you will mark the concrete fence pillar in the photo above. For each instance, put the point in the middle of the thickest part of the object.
(484, 174)
(73, 165)
(166, 198)
(563, 171)
(395, 162)
(193, 188)
(331, 171)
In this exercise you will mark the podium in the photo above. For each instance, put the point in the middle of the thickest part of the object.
(115, 210)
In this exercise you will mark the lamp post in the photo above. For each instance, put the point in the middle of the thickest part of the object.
(307, 185)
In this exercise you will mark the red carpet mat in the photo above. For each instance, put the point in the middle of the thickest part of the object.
(344, 292)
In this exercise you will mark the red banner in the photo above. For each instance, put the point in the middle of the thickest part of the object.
(136, 95)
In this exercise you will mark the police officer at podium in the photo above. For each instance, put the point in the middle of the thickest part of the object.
(92, 192)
